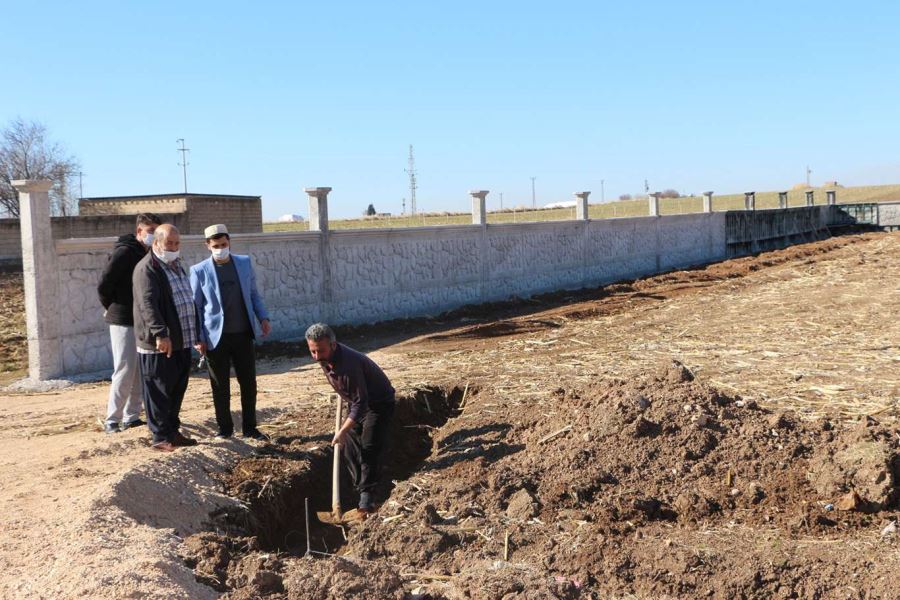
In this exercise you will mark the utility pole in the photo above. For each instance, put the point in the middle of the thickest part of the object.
(403, 210)
(533, 201)
(646, 187)
(602, 192)
(412, 181)
(501, 200)
(184, 163)
(80, 185)
(808, 172)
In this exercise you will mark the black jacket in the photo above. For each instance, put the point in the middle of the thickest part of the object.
(115, 283)
(155, 315)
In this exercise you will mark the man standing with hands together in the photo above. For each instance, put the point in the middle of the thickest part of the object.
(233, 316)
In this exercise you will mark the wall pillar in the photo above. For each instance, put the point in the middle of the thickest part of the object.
(479, 206)
(810, 200)
(318, 221)
(318, 208)
(707, 202)
(581, 206)
(831, 197)
(41, 275)
(653, 204)
(749, 200)
(782, 200)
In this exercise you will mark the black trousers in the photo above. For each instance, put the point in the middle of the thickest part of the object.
(233, 349)
(165, 380)
(365, 443)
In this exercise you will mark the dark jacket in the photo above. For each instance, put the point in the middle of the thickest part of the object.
(115, 283)
(358, 380)
(155, 315)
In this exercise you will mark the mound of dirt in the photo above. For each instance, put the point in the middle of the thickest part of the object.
(633, 487)
(579, 485)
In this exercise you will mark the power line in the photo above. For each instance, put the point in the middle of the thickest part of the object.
(184, 163)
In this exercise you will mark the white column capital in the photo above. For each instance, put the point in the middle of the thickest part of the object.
(317, 192)
(29, 186)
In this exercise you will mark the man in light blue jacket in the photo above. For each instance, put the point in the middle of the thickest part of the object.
(232, 316)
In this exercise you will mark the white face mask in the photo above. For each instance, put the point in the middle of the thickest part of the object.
(147, 239)
(167, 256)
(221, 253)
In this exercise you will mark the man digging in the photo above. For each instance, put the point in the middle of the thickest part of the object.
(370, 400)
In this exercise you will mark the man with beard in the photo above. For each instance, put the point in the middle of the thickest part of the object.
(370, 400)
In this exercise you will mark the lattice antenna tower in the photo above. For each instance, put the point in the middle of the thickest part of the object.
(411, 171)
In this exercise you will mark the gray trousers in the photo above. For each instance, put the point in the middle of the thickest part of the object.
(125, 393)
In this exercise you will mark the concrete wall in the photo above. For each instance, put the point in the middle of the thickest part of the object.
(750, 231)
(366, 276)
(889, 214)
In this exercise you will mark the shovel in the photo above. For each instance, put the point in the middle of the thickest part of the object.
(336, 517)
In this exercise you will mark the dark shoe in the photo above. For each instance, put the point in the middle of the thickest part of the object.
(109, 427)
(163, 446)
(223, 435)
(181, 440)
(130, 424)
(256, 434)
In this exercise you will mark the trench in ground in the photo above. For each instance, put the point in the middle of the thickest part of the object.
(273, 506)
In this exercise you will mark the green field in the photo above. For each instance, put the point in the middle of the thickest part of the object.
(610, 210)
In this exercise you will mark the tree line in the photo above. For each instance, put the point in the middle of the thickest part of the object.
(27, 152)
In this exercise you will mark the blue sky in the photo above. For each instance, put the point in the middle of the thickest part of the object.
(276, 96)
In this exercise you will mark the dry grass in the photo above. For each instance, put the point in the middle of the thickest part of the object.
(817, 336)
(610, 210)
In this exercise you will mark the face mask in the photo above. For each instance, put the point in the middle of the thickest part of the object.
(167, 256)
(221, 253)
(147, 239)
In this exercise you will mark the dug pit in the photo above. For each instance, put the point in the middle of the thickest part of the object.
(280, 489)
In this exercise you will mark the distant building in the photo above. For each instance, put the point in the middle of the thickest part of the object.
(566, 204)
(290, 219)
(241, 214)
(113, 216)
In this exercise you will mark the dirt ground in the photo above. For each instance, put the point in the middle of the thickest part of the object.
(545, 448)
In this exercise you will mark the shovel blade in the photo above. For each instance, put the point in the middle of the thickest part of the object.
(330, 518)
(351, 517)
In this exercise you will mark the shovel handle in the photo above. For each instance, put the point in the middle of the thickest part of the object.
(336, 482)
(336, 471)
